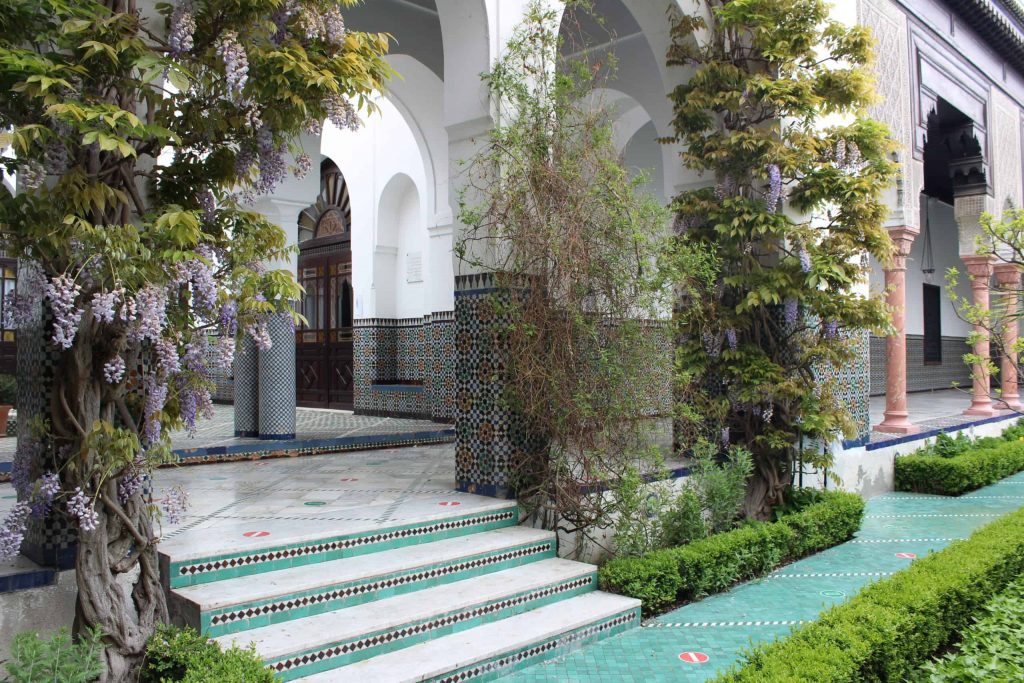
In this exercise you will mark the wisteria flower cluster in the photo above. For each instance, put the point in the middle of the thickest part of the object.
(341, 112)
(183, 27)
(328, 26)
(63, 292)
(774, 193)
(81, 508)
(113, 370)
(792, 311)
(175, 503)
(12, 533)
(236, 62)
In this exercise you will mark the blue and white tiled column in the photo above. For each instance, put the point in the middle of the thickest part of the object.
(277, 382)
(246, 369)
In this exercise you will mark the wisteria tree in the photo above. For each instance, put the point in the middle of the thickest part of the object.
(792, 208)
(139, 135)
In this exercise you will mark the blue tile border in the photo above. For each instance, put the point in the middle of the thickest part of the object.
(399, 388)
(30, 578)
(907, 438)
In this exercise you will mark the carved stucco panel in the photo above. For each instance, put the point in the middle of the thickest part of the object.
(891, 69)
(1006, 150)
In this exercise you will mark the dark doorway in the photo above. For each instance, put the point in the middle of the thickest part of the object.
(323, 345)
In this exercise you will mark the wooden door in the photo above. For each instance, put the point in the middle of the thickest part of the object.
(323, 346)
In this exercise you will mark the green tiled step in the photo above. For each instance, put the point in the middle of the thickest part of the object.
(234, 605)
(327, 641)
(493, 650)
(196, 556)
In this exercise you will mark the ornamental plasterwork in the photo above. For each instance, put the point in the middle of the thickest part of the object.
(891, 69)
(1006, 149)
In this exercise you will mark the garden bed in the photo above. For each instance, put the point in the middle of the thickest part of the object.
(891, 628)
(666, 578)
(951, 470)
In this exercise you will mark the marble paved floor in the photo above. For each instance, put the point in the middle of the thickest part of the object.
(310, 423)
(722, 626)
(929, 410)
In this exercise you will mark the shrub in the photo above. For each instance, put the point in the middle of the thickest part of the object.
(989, 461)
(34, 660)
(712, 564)
(946, 446)
(891, 627)
(175, 654)
(683, 521)
(721, 487)
(992, 649)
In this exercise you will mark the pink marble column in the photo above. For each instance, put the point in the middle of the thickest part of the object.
(1008, 280)
(896, 417)
(980, 270)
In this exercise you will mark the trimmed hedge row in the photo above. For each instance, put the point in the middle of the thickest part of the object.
(987, 463)
(892, 627)
(710, 565)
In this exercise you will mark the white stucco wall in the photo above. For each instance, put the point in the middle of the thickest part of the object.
(387, 179)
(946, 256)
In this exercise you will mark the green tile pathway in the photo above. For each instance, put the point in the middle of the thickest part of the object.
(897, 527)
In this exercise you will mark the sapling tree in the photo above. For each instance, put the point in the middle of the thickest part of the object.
(139, 135)
(1002, 239)
(571, 239)
(792, 207)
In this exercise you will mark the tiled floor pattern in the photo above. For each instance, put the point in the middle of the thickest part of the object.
(310, 424)
(929, 410)
(722, 626)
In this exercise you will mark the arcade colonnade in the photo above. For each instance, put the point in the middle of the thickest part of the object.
(399, 328)
(951, 86)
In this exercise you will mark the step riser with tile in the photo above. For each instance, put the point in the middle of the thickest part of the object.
(183, 572)
(369, 645)
(243, 616)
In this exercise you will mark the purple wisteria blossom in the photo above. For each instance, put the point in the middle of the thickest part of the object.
(128, 486)
(12, 533)
(104, 306)
(236, 62)
(229, 318)
(272, 167)
(63, 292)
(774, 193)
(183, 28)
(730, 337)
(726, 188)
(167, 357)
(260, 335)
(113, 370)
(341, 112)
(81, 508)
(156, 397)
(792, 311)
(303, 164)
(334, 26)
(224, 353)
(314, 127)
(208, 202)
(204, 284)
(805, 260)
(712, 344)
(175, 503)
(830, 330)
(152, 312)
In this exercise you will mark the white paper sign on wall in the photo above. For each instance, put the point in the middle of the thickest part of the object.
(414, 266)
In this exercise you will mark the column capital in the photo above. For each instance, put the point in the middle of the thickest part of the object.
(1008, 275)
(902, 237)
(979, 267)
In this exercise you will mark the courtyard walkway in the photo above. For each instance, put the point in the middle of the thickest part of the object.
(700, 640)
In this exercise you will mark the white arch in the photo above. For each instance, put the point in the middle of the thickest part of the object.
(399, 252)
(418, 96)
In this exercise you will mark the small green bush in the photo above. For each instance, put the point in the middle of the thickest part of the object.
(987, 462)
(682, 521)
(34, 660)
(184, 655)
(888, 630)
(721, 486)
(710, 565)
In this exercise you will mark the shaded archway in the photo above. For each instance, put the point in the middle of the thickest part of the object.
(323, 354)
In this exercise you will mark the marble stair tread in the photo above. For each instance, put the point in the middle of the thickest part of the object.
(227, 536)
(440, 656)
(280, 640)
(246, 589)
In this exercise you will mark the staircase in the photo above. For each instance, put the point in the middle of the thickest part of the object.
(452, 591)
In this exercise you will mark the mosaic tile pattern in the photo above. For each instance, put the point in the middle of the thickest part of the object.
(853, 385)
(405, 367)
(246, 389)
(723, 626)
(921, 377)
(277, 382)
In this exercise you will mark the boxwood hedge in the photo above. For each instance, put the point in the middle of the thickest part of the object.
(890, 628)
(665, 577)
(987, 462)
